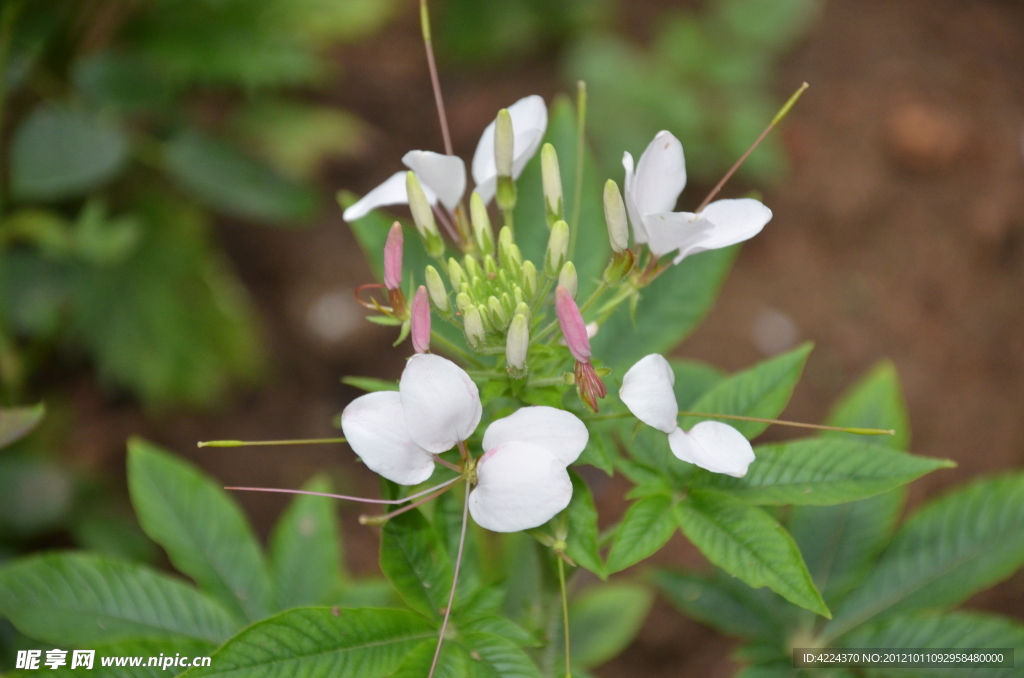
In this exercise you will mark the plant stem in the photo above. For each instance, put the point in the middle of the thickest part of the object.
(577, 196)
(449, 347)
(455, 582)
(261, 443)
(565, 617)
(365, 500)
(434, 81)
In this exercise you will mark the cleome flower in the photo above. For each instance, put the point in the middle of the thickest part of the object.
(443, 177)
(647, 392)
(651, 194)
(521, 479)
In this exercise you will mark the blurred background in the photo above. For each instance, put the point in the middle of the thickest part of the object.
(173, 265)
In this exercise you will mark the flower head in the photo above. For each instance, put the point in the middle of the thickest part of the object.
(651, 194)
(647, 392)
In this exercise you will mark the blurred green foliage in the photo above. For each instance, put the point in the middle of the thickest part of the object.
(130, 121)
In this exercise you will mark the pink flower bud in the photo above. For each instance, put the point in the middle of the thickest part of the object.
(393, 258)
(420, 320)
(573, 328)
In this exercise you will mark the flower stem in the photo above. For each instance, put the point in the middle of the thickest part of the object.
(565, 617)
(577, 196)
(377, 520)
(365, 500)
(428, 43)
(757, 142)
(455, 582)
(256, 443)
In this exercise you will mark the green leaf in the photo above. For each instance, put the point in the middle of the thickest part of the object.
(202, 529)
(18, 422)
(305, 549)
(669, 309)
(583, 531)
(644, 529)
(81, 599)
(447, 520)
(963, 542)
(452, 662)
(821, 471)
(876, 401)
(761, 391)
(144, 650)
(599, 451)
(693, 379)
(603, 621)
(59, 153)
(496, 625)
(722, 602)
(498, 657)
(953, 630)
(224, 177)
(415, 561)
(313, 642)
(746, 542)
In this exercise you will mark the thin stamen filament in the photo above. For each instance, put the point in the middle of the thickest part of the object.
(258, 443)
(365, 500)
(376, 520)
(455, 582)
(797, 424)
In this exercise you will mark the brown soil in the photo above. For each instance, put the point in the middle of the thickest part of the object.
(900, 235)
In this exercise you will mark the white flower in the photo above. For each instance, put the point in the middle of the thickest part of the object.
(651, 194)
(443, 177)
(522, 477)
(647, 392)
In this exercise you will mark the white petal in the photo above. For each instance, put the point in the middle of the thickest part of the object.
(715, 446)
(444, 174)
(529, 116)
(520, 486)
(639, 232)
(734, 220)
(660, 175)
(647, 392)
(671, 231)
(441, 402)
(391, 192)
(559, 432)
(374, 426)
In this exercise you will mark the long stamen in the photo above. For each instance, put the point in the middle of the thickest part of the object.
(455, 582)
(256, 443)
(743, 158)
(428, 43)
(565, 617)
(364, 500)
(797, 424)
(377, 520)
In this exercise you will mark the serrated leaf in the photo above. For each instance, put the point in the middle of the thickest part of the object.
(644, 529)
(583, 531)
(876, 401)
(415, 561)
(746, 542)
(821, 471)
(305, 549)
(227, 179)
(498, 657)
(61, 153)
(18, 422)
(144, 649)
(81, 599)
(603, 621)
(953, 630)
(760, 391)
(313, 642)
(956, 545)
(722, 602)
(202, 529)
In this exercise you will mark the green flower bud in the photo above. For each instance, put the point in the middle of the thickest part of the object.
(552, 180)
(517, 296)
(498, 314)
(506, 303)
(473, 326)
(615, 217)
(463, 303)
(490, 266)
(523, 309)
(558, 248)
(435, 289)
(529, 279)
(482, 231)
(503, 143)
(456, 276)
(517, 345)
(472, 268)
(567, 278)
(485, 317)
(423, 216)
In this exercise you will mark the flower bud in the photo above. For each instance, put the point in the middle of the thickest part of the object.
(504, 141)
(558, 248)
(507, 304)
(618, 267)
(473, 326)
(567, 279)
(455, 274)
(420, 321)
(551, 178)
(499, 317)
(463, 303)
(490, 266)
(423, 216)
(472, 269)
(529, 280)
(393, 258)
(485, 317)
(482, 231)
(505, 245)
(573, 328)
(523, 309)
(435, 288)
(517, 344)
(615, 217)
(517, 296)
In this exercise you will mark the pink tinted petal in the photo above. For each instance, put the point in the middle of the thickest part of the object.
(571, 321)
(647, 392)
(559, 432)
(714, 446)
(420, 320)
(441, 402)
(445, 175)
(520, 486)
(660, 175)
(393, 258)
(374, 425)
